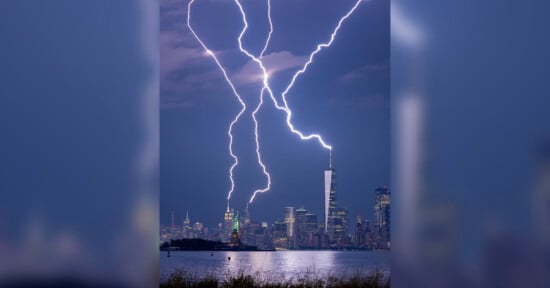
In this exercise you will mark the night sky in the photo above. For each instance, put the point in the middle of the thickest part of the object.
(344, 96)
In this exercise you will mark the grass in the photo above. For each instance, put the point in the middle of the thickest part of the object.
(183, 279)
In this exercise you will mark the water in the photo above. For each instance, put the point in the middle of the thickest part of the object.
(273, 265)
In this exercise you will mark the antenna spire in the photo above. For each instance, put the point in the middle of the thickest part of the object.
(330, 163)
(172, 222)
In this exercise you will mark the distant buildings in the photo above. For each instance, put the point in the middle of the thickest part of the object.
(299, 229)
(187, 229)
(375, 235)
(279, 238)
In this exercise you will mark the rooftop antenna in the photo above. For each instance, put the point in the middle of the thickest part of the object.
(330, 163)
(172, 222)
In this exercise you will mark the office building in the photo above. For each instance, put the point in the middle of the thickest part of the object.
(330, 201)
(382, 216)
(290, 221)
(228, 225)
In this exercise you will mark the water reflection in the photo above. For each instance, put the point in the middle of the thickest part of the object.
(309, 261)
(272, 266)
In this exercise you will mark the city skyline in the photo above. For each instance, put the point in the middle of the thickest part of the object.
(298, 228)
(327, 212)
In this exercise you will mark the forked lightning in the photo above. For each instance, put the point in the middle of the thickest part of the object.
(266, 88)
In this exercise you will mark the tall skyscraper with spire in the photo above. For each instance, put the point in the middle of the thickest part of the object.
(187, 229)
(228, 224)
(330, 197)
(335, 218)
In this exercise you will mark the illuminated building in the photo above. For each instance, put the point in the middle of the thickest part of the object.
(280, 240)
(363, 235)
(228, 224)
(330, 196)
(263, 237)
(290, 221)
(382, 216)
(340, 226)
(187, 230)
(198, 230)
(307, 230)
(330, 200)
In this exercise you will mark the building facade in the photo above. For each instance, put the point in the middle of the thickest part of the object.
(330, 201)
(290, 221)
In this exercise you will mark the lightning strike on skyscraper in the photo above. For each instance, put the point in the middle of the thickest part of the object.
(266, 88)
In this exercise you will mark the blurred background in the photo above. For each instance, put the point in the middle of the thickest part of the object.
(79, 143)
(471, 142)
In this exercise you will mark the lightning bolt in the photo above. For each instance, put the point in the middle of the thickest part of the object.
(303, 70)
(243, 105)
(266, 87)
(270, 28)
(258, 154)
(312, 55)
(289, 86)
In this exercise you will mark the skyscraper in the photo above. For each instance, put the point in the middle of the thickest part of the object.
(359, 234)
(330, 198)
(340, 226)
(187, 229)
(307, 230)
(300, 226)
(228, 224)
(382, 216)
(246, 219)
(280, 240)
(290, 221)
(246, 232)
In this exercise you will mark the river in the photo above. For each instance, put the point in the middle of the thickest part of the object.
(273, 265)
